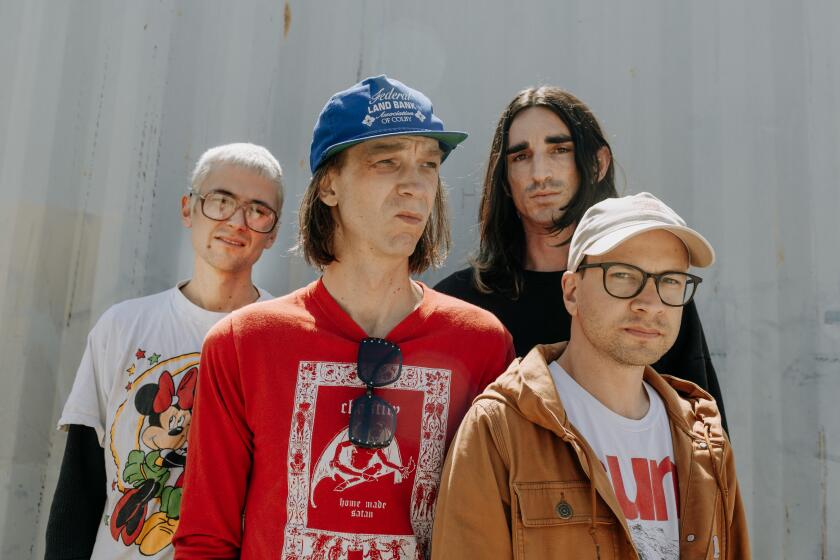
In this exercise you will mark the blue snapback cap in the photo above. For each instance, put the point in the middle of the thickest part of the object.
(375, 107)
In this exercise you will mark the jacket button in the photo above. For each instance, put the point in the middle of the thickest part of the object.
(689, 538)
(564, 510)
(702, 445)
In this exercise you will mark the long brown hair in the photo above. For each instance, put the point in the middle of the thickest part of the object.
(500, 260)
(316, 225)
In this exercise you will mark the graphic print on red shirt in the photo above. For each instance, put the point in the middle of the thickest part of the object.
(346, 501)
(277, 382)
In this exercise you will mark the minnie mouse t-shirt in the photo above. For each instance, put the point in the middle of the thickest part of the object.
(135, 386)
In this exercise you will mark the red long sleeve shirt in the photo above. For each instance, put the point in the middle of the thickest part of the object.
(269, 431)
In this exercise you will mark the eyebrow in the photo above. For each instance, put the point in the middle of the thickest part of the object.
(436, 151)
(558, 139)
(230, 194)
(555, 139)
(380, 147)
(516, 148)
(377, 148)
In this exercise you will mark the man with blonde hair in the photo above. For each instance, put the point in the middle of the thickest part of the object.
(128, 414)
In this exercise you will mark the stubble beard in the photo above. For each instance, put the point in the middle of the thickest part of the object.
(624, 351)
(227, 263)
(554, 184)
(549, 215)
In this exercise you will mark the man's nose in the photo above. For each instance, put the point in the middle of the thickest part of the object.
(648, 298)
(237, 219)
(540, 169)
(412, 181)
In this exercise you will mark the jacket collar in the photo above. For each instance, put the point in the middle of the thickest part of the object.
(528, 387)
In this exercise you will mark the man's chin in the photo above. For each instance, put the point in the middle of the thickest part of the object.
(638, 356)
(403, 246)
(229, 265)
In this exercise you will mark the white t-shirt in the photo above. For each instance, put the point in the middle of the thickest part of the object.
(135, 387)
(638, 456)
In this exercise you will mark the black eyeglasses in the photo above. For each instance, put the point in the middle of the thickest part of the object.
(220, 206)
(373, 420)
(625, 281)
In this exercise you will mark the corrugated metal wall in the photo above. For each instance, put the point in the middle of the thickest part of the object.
(728, 110)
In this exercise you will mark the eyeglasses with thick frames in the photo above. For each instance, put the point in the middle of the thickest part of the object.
(220, 206)
(373, 420)
(625, 281)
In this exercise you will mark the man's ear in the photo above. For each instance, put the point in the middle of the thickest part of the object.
(569, 283)
(604, 159)
(272, 236)
(186, 211)
(327, 189)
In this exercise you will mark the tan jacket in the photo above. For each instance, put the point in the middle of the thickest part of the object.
(521, 482)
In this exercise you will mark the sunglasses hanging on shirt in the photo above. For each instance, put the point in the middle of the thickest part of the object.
(373, 420)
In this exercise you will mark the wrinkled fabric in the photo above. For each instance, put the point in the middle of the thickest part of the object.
(521, 482)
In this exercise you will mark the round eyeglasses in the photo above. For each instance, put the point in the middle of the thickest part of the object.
(625, 281)
(220, 206)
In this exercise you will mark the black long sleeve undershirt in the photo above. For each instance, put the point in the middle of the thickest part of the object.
(79, 498)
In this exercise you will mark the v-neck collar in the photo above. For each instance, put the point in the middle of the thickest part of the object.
(347, 324)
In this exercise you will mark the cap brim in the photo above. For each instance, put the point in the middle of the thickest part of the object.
(449, 138)
(700, 251)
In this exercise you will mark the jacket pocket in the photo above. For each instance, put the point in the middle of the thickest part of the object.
(553, 520)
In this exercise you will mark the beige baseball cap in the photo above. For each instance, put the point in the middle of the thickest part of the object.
(615, 220)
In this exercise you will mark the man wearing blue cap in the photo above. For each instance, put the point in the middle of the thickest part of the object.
(324, 416)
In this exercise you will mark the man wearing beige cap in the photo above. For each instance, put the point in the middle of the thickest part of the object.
(580, 449)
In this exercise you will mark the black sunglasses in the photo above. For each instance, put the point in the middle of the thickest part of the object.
(373, 420)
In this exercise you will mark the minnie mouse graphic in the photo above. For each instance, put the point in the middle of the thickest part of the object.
(168, 411)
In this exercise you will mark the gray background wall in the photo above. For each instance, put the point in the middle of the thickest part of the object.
(727, 110)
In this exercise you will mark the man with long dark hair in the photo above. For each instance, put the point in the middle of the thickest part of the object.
(549, 163)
